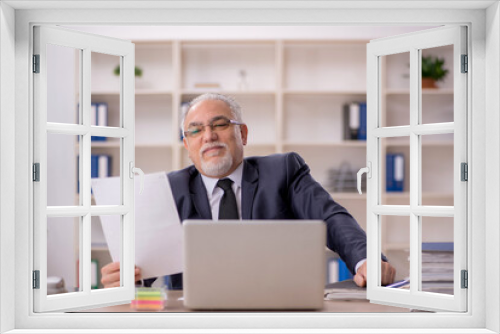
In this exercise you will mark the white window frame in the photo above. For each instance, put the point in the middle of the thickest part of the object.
(483, 103)
(86, 44)
(414, 43)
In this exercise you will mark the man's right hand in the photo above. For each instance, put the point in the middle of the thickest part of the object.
(110, 275)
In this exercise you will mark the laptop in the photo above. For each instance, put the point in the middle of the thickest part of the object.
(254, 264)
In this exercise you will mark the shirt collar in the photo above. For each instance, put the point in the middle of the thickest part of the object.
(211, 182)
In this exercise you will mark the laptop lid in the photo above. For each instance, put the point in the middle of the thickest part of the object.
(254, 264)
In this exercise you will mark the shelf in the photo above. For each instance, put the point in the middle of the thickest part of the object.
(426, 195)
(347, 196)
(346, 143)
(106, 144)
(425, 91)
(324, 92)
(116, 144)
(355, 195)
(200, 91)
(137, 92)
(397, 143)
(396, 246)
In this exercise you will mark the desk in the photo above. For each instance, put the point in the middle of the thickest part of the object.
(173, 304)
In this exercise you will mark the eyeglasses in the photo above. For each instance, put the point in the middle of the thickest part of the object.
(218, 125)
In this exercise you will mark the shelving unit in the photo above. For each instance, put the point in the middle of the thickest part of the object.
(292, 99)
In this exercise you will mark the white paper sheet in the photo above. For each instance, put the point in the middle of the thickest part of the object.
(158, 231)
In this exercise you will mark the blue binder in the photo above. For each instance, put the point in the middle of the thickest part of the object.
(394, 172)
(362, 121)
(344, 272)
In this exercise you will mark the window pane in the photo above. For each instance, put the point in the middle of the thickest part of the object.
(63, 84)
(437, 84)
(62, 170)
(437, 169)
(395, 171)
(395, 70)
(105, 162)
(396, 244)
(63, 254)
(105, 90)
(437, 254)
(106, 235)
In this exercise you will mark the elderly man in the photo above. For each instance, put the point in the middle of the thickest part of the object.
(223, 185)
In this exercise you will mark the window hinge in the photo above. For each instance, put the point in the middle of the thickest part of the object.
(36, 172)
(36, 63)
(464, 172)
(36, 279)
(465, 64)
(465, 279)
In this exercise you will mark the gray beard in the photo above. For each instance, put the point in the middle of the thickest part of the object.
(221, 167)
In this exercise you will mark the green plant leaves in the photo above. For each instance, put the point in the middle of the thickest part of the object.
(138, 71)
(432, 67)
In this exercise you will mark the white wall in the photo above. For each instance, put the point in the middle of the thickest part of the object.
(7, 167)
(492, 159)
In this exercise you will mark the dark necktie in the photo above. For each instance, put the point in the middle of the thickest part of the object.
(228, 209)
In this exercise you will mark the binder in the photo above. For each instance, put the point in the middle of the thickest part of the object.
(100, 113)
(332, 272)
(94, 281)
(346, 122)
(344, 273)
(394, 172)
(93, 114)
(354, 120)
(94, 166)
(183, 108)
(362, 121)
(103, 169)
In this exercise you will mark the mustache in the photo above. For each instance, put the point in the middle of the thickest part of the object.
(208, 146)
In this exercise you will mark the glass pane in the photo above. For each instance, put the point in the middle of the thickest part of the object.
(437, 254)
(395, 71)
(106, 235)
(105, 163)
(63, 84)
(63, 255)
(395, 170)
(437, 84)
(62, 170)
(396, 245)
(437, 169)
(105, 90)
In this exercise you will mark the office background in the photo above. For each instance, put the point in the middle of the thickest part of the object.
(293, 83)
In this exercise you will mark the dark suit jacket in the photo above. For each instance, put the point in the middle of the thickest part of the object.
(278, 186)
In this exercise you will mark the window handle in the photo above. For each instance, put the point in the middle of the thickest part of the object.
(368, 171)
(134, 170)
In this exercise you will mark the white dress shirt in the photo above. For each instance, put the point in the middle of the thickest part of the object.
(215, 193)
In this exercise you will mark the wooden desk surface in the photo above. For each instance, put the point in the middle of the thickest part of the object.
(173, 304)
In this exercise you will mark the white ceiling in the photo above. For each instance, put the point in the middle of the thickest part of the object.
(154, 33)
(246, 4)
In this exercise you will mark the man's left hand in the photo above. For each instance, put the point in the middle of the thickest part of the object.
(388, 273)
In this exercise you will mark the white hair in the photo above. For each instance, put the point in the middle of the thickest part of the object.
(233, 105)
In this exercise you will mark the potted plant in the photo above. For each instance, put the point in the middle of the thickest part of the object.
(432, 71)
(138, 71)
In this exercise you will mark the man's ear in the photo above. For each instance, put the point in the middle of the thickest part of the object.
(185, 142)
(244, 133)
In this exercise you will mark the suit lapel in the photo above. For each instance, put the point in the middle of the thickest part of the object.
(199, 197)
(248, 188)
